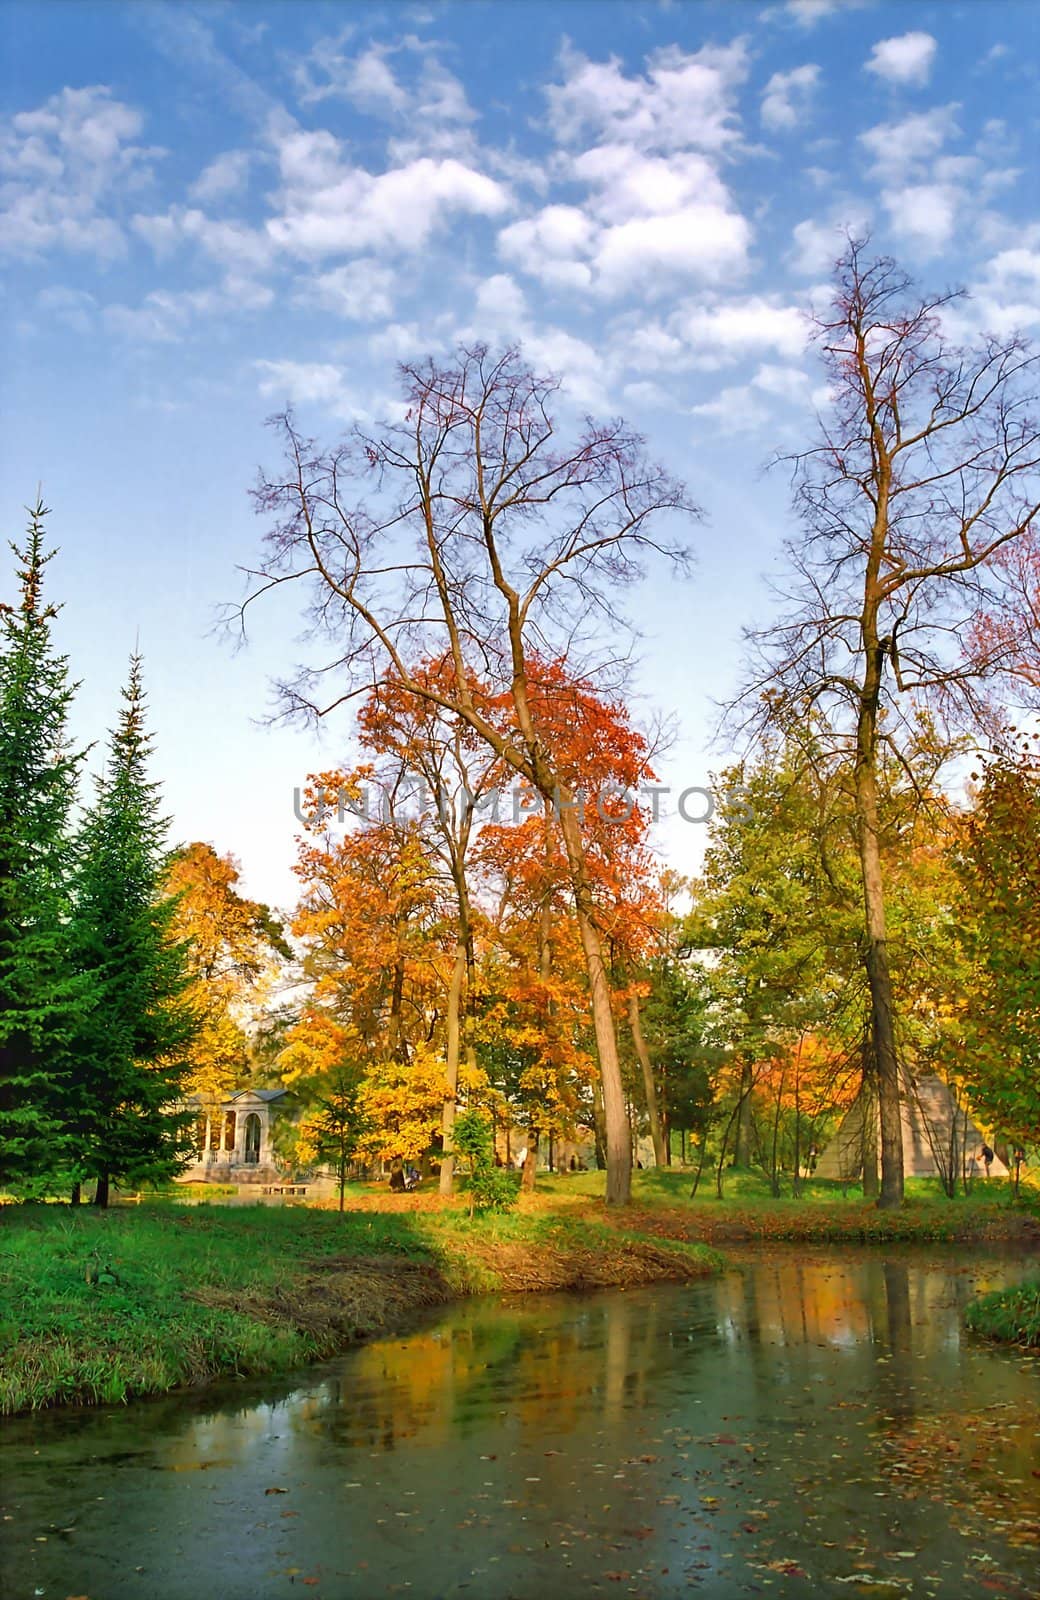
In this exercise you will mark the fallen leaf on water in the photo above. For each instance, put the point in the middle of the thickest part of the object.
(276, 1490)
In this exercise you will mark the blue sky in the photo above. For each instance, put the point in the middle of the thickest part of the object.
(209, 210)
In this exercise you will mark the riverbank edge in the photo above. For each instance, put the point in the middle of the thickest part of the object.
(1008, 1316)
(860, 1223)
(109, 1326)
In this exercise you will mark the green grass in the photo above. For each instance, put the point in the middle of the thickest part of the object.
(98, 1307)
(95, 1307)
(1011, 1315)
(825, 1212)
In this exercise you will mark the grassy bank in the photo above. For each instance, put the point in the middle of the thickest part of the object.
(825, 1213)
(96, 1308)
(1010, 1315)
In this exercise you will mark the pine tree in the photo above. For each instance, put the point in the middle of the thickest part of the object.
(133, 1050)
(39, 996)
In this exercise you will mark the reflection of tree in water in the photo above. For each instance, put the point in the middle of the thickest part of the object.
(895, 1381)
(534, 1368)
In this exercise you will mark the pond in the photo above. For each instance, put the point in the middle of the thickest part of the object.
(812, 1422)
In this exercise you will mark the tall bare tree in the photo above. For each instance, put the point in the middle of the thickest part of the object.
(470, 530)
(922, 482)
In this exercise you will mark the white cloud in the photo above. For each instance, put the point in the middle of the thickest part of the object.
(301, 380)
(741, 407)
(787, 96)
(318, 383)
(807, 13)
(734, 328)
(921, 189)
(819, 244)
(682, 101)
(710, 334)
(329, 207)
(361, 291)
(371, 84)
(648, 221)
(551, 245)
(231, 244)
(905, 59)
(225, 175)
(788, 383)
(165, 315)
(648, 253)
(924, 213)
(626, 183)
(74, 308)
(405, 84)
(501, 308)
(1006, 298)
(899, 148)
(1017, 266)
(734, 410)
(66, 166)
(581, 367)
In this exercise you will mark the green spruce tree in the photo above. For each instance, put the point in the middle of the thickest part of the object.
(133, 1049)
(39, 995)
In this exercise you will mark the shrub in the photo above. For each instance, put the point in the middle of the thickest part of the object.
(489, 1188)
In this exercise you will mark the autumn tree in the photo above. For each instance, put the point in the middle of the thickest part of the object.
(921, 483)
(471, 530)
(379, 928)
(323, 1067)
(234, 949)
(532, 1027)
(433, 760)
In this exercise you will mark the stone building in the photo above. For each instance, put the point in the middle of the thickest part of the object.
(940, 1137)
(234, 1143)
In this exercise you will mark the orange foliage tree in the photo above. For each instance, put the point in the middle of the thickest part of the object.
(236, 949)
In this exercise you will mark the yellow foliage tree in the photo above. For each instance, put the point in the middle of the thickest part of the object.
(235, 949)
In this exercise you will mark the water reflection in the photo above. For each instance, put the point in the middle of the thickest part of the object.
(807, 1417)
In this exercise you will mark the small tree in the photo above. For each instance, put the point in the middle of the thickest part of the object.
(332, 1126)
(132, 1047)
(490, 1188)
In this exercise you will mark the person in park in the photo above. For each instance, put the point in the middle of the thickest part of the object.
(987, 1157)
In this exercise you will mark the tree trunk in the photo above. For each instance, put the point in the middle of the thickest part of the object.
(618, 1135)
(886, 1064)
(76, 1194)
(396, 1041)
(656, 1131)
(599, 1138)
(798, 1123)
(774, 1171)
(869, 1141)
(451, 1067)
(742, 1146)
(101, 1192)
(530, 1161)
